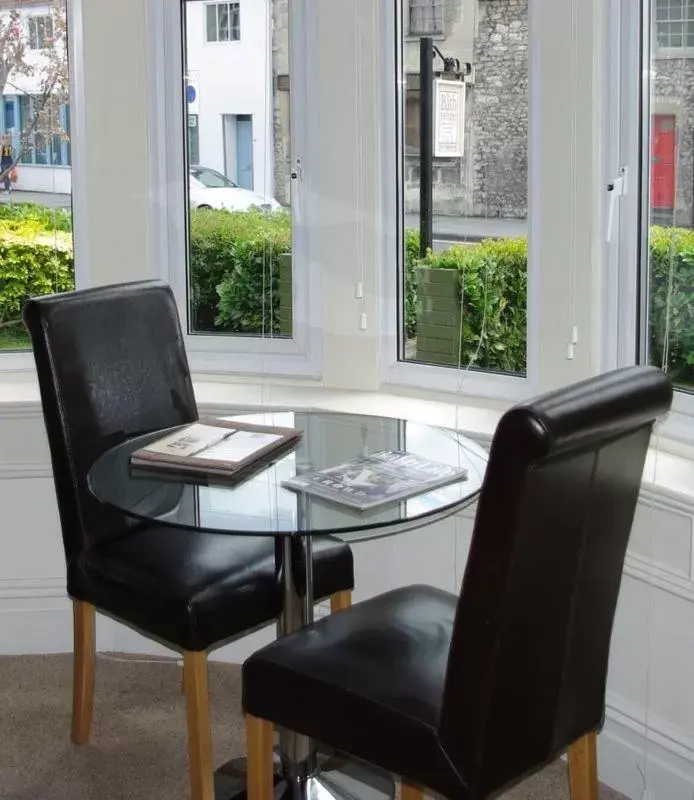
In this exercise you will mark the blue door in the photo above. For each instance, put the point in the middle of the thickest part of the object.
(244, 151)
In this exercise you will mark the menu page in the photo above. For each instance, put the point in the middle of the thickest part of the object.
(240, 445)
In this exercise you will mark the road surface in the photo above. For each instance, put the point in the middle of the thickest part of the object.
(446, 229)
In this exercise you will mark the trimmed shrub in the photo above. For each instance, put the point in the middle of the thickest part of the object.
(672, 284)
(234, 268)
(33, 261)
(50, 219)
(493, 285)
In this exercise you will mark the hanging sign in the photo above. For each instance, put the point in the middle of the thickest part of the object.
(449, 118)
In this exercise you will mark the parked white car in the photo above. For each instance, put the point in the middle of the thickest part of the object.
(211, 189)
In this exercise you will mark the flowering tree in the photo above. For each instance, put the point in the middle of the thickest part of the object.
(36, 57)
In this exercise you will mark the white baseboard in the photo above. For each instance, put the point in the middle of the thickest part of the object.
(644, 758)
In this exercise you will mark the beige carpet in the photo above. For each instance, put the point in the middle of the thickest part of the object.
(138, 747)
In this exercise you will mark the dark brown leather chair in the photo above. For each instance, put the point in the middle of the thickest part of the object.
(111, 364)
(466, 695)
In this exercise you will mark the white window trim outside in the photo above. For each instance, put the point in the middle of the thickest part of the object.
(407, 373)
(22, 362)
(300, 356)
(204, 22)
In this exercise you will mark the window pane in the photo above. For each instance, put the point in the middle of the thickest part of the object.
(235, 22)
(668, 184)
(240, 263)
(425, 17)
(35, 202)
(223, 21)
(211, 12)
(478, 176)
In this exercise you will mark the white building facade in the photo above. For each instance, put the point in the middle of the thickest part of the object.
(230, 93)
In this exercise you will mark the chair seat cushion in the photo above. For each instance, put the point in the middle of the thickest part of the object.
(367, 681)
(195, 590)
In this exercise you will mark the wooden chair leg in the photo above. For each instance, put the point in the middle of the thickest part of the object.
(339, 601)
(408, 792)
(199, 728)
(84, 655)
(259, 767)
(583, 768)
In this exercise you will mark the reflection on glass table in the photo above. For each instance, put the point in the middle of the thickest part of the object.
(260, 506)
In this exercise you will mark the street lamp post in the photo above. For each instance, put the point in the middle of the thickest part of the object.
(451, 69)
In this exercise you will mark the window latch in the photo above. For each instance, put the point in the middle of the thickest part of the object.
(616, 189)
(297, 173)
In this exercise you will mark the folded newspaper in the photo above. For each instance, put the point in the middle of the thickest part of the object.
(383, 477)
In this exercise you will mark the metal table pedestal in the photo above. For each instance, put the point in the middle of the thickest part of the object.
(302, 770)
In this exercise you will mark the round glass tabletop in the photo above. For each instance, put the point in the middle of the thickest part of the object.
(260, 506)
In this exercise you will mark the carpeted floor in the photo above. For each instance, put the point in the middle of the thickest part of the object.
(138, 747)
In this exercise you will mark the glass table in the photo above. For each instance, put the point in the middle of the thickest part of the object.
(260, 506)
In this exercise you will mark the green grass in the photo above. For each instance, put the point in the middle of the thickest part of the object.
(14, 338)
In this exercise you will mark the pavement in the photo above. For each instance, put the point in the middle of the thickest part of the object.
(446, 229)
(470, 229)
(42, 198)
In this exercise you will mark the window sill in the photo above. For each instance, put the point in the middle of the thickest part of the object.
(668, 475)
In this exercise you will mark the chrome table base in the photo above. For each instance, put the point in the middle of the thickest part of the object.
(336, 778)
(324, 777)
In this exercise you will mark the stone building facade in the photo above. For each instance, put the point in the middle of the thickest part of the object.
(490, 180)
(280, 100)
(673, 101)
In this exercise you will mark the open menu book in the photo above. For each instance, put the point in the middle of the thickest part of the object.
(214, 446)
(377, 479)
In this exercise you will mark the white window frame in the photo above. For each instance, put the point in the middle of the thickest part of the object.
(627, 300)
(300, 356)
(474, 383)
(21, 362)
(204, 22)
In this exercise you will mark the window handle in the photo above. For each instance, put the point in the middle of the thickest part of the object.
(616, 189)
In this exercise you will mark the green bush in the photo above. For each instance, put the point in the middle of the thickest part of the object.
(493, 276)
(33, 261)
(234, 264)
(672, 284)
(411, 263)
(50, 219)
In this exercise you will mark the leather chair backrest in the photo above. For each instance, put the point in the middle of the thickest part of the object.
(111, 364)
(528, 660)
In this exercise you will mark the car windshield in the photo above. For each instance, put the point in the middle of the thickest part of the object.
(211, 179)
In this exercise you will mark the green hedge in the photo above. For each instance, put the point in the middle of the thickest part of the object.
(49, 219)
(33, 261)
(234, 268)
(672, 282)
(502, 264)
(493, 285)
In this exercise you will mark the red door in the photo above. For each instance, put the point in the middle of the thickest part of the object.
(663, 161)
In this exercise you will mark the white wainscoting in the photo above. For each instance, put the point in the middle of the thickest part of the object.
(648, 740)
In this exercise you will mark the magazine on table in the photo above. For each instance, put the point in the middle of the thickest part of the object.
(213, 446)
(379, 478)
